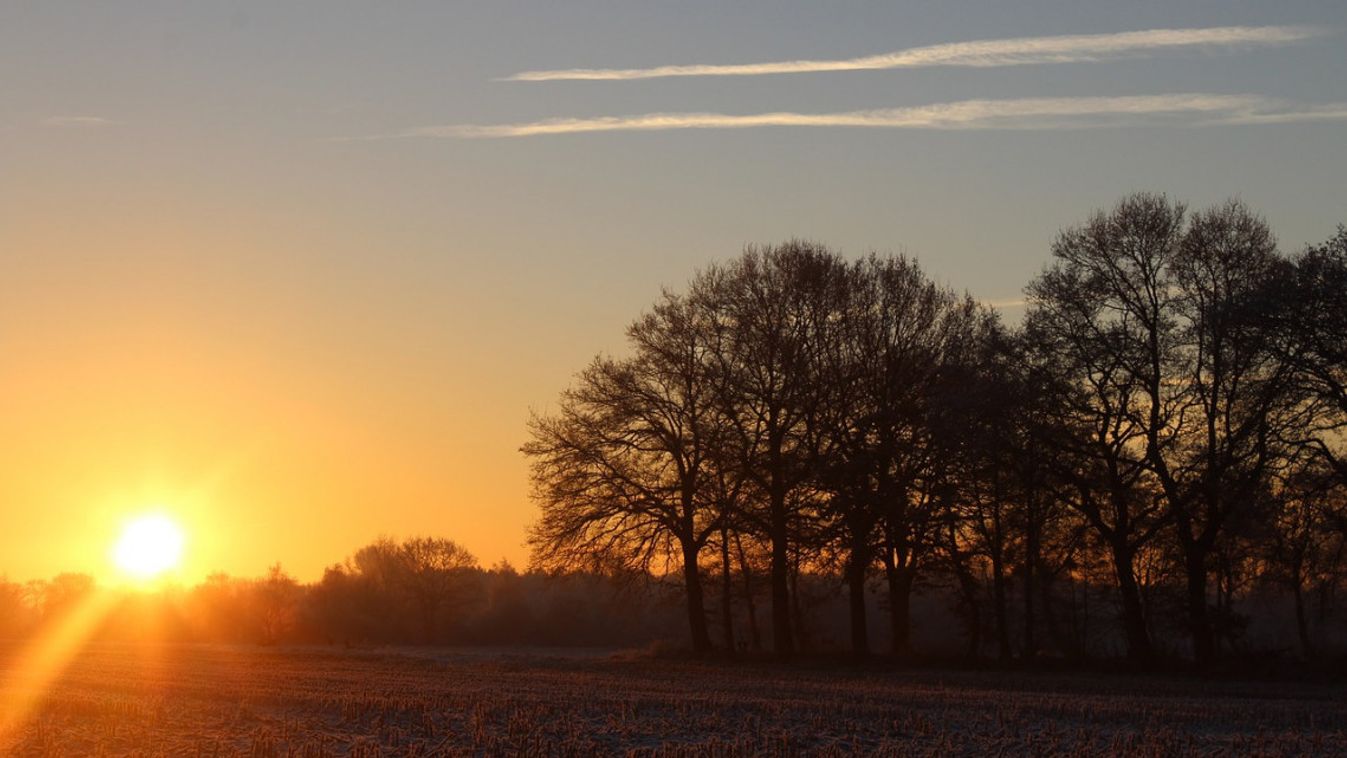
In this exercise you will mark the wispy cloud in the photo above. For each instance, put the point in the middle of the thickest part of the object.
(1022, 113)
(1075, 48)
(81, 121)
(1330, 112)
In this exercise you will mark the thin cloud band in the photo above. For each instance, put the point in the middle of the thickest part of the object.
(1199, 109)
(1074, 48)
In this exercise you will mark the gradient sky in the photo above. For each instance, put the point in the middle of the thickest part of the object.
(257, 272)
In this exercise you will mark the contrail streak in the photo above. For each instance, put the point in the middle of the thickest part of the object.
(1024, 113)
(1075, 48)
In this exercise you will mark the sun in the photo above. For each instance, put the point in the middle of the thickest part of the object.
(148, 547)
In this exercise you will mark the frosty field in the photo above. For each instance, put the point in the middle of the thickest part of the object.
(226, 701)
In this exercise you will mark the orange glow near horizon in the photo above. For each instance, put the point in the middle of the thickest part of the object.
(271, 437)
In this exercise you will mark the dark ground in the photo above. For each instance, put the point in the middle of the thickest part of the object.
(212, 700)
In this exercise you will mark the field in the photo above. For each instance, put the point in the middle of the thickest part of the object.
(226, 701)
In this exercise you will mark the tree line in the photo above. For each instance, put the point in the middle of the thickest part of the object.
(1165, 421)
(417, 591)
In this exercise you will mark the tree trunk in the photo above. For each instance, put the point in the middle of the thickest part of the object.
(783, 643)
(1031, 638)
(973, 617)
(900, 606)
(1302, 624)
(1199, 621)
(1030, 566)
(858, 563)
(1051, 623)
(999, 606)
(692, 581)
(754, 636)
(1134, 612)
(1036, 514)
(726, 600)
(1225, 601)
(796, 609)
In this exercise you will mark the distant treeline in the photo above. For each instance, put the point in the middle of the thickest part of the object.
(1150, 464)
(417, 591)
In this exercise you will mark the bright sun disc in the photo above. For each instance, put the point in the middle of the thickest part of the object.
(149, 546)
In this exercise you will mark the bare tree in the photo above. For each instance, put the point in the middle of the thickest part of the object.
(1305, 312)
(771, 309)
(623, 471)
(277, 600)
(989, 477)
(1236, 393)
(434, 574)
(903, 342)
(1186, 392)
(1096, 317)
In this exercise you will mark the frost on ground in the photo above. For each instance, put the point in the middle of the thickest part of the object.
(224, 701)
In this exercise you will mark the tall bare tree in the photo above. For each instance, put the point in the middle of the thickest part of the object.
(1186, 391)
(772, 309)
(1305, 311)
(1095, 332)
(1237, 394)
(902, 342)
(622, 471)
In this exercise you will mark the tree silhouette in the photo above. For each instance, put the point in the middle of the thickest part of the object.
(1305, 312)
(277, 601)
(1149, 430)
(1097, 333)
(625, 470)
(769, 312)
